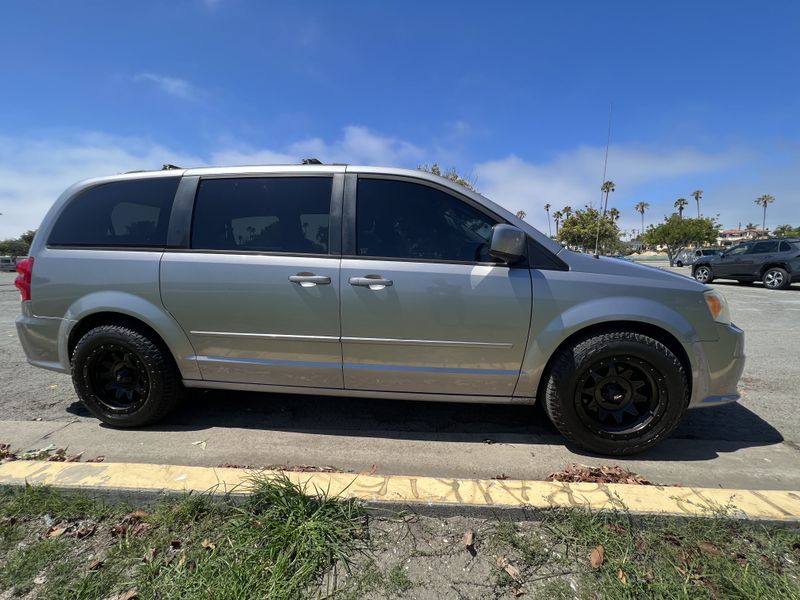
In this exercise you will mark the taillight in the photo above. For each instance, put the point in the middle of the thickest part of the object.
(23, 280)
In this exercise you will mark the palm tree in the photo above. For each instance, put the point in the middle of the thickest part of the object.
(547, 210)
(697, 194)
(521, 214)
(613, 213)
(680, 204)
(607, 188)
(557, 216)
(764, 200)
(641, 207)
(567, 212)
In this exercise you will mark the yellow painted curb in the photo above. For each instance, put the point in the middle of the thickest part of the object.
(398, 489)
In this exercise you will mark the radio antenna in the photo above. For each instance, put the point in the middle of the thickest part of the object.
(603, 204)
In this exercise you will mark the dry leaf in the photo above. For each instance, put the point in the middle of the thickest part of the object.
(469, 538)
(582, 473)
(648, 574)
(84, 531)
(710, 548)
(517, 591)
(208, 544)
(373, 469)
(137, 515)
(175, 544)
(616, 528)
(512, 571)
(623, 579)
(501, 477)
(149, 555)
(55, 532)
(95, 564)
(96, 459)
(597, 556)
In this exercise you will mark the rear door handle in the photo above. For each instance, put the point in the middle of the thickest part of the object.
(309, 279)
(373, 282)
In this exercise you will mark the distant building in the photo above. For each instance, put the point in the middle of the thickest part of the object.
(729, 237)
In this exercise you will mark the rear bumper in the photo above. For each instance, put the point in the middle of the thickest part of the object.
(719, 367)
(40, 338)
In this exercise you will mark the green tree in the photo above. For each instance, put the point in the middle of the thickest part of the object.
(680, 204)
(641, 207)
(697, 194)
(547, 210)
(450, 174)
(579, 230)
(675, 233)
(764, 201)
(614, 214)
(786, 230)
(14, 248)
(521, 214)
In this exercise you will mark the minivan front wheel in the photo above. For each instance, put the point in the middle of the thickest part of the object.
(124, 378)
(616, 393)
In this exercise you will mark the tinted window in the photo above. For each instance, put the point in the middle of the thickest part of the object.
(711, 252)
(398, 219)
(785, 247)
(122, 213)
(263, 214)
(764, 247)
(738, 250)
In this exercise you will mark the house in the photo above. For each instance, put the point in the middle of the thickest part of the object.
(730, 237)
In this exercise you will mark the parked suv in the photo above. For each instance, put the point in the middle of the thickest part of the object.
(688, 257)
(775, 262)
(360, 281)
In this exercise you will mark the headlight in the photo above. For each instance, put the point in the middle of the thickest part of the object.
(718, 307)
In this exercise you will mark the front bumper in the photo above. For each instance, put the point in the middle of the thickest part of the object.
(719, 366)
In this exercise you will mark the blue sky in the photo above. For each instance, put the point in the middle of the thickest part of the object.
(705, 95)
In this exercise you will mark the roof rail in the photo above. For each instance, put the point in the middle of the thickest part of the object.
(168, 167)
(312, 161)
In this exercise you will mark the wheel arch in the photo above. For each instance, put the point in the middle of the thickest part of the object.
(778, 263)
(650, 330)
(134, 311)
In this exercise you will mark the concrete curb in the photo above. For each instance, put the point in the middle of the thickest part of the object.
(139, 481)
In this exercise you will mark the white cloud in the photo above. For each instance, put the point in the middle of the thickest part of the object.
(35, 170)
(179, 88)
(574, 178)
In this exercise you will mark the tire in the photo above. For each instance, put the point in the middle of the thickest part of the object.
(679, 263)
(703, 274)
(616, 363)
(776, 278)
(124, 378)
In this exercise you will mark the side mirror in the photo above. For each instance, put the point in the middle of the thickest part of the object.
(508, 243)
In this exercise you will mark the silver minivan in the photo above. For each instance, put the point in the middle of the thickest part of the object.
(360, 281)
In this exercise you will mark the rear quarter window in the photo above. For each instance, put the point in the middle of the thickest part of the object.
(130, 213)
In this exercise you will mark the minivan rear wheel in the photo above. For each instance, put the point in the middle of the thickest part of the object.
(616, 393)
(124, 378)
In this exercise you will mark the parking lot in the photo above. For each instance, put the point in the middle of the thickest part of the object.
(752, 444)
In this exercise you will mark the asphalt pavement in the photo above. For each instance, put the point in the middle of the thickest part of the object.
(752, 444)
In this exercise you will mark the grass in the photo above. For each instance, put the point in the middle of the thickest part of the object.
(664, 558)
(279, 543)
(286, 542)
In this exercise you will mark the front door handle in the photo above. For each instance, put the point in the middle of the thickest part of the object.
(309, 279)
(373, 282)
